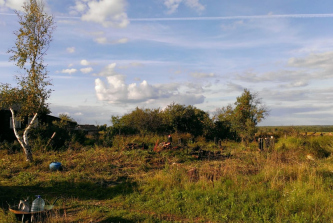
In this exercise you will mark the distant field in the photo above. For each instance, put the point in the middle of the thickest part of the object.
(302, 128)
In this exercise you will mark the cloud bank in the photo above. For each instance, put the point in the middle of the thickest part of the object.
(115, 90)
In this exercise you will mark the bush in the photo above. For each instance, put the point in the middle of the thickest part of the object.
(10, 147)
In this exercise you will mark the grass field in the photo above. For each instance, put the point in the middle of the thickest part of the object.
(289, 183)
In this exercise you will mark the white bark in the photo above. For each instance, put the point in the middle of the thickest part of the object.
(23, 140)
(25, 133)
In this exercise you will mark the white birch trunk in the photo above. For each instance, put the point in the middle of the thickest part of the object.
(24, 142)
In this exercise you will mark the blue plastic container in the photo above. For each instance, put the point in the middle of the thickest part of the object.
(55, 166)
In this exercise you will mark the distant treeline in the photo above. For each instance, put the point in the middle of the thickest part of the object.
(300, 128)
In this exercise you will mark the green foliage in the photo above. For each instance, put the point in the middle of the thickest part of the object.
(244, 117)
(10, 147)
(65, 119)
(318, 147)
(186, 119)
(64, 137)
(143, 120)
(175, 118)
(228, 123)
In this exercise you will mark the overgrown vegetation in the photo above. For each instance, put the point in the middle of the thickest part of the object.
(288, 183)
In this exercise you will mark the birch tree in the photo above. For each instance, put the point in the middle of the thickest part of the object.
(28, 98)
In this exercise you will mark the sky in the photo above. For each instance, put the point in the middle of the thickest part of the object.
(108, 57)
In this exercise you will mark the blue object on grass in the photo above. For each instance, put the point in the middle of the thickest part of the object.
(55, 166)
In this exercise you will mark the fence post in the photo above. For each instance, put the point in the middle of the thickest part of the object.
(261, 144)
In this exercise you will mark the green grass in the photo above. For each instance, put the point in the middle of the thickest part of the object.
(115, 185)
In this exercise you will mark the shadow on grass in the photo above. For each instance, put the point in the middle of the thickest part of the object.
(81, 190)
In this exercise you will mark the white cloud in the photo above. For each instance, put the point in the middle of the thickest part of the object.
(86, 70)
(234, 87)
(80, 6)
(116, 91)
(106, 12)
(173, 5)
(101, 40)
(194, 4)
(104, 40)
(194, 88)
(2, 2)
(142, 91)
(295, 84)
(85, 63)
(13, 4)
(70, 49)
(121, 41)
(319, 60)
(70, 65)
(298, 73)
(202, 75)
(69, 71)
(108, 70)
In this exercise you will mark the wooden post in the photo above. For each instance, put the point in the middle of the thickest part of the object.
(261, 144)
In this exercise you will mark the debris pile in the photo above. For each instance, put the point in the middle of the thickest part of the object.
(199, 153)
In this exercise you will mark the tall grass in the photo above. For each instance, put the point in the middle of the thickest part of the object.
(290, 183)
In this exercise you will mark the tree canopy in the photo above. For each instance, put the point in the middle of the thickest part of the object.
(174, 118)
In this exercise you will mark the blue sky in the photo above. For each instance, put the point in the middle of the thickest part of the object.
(110, 56)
